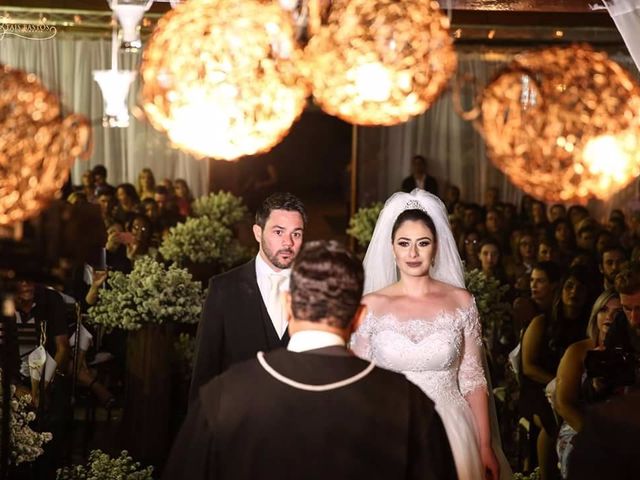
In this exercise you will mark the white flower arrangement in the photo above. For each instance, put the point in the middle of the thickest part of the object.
(224, 207)
(362, 223)
(208, 237)
(26, 444)
(494, 312)
(101, 466)
(151, 293)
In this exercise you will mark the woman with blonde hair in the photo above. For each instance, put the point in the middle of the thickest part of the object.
(146, 184)
(569, 402)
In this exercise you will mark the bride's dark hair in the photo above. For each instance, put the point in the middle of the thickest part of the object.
(414, 215)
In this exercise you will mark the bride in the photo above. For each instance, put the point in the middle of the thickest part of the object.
(425, 325)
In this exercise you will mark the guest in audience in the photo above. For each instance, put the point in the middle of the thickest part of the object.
(491, 198)
(140, 228)
(604, 240)
(509, 217)
(146, 184)
(495, 228)
(100, 178)
(117, 242)
(548, 250)
(184, 199)
(469, 250)
(607, 446)
(544, 283)
(419, 177)
(107, 202)
(526, 203)
(523, 258)
(472, 218)
(619, 231)
(569, 401)
(152, 212)
(576, 214)
(167, 207)
(451, 197)
(612, 259)
(490, 260)
(539, 216)
(586, 238)
(564, 236)
(128, 203)
(88, 186)
(543, 344)
(556, 212)
(77, 198)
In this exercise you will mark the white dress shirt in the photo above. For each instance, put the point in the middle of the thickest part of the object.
(313, 339)
(263, 276)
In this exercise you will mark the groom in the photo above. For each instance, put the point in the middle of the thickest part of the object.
(243, 312)
(313, 411)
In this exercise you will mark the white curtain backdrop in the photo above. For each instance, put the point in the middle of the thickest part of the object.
(64, 65)
(455, 150)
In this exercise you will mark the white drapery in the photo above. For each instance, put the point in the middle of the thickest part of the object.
(64, 64)
(455, 150)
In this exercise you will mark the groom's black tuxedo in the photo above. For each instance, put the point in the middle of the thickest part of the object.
(234, 325)
(247, 425)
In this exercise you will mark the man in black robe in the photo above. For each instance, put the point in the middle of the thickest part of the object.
(313, 411)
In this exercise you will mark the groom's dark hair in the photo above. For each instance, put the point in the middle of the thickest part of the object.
(279, 201)
(326, 284)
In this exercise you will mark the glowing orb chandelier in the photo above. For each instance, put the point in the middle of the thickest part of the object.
(379, 62)
(37, 145)
(563, 124)
(221, 77)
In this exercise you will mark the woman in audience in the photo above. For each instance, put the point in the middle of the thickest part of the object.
(544, 282)
(469, 249)
(524, 257)
(183, 197)
(490, 256)
(88, 186)
(140, 245)
(569, 403)
(548, 250)
(495, 228)
(128, 203)
(543, 345)
(563, 233)
(146, 184)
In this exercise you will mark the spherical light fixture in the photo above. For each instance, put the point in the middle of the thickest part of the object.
(379, 62)
(563, 124)
(221, 77)
(37, 145)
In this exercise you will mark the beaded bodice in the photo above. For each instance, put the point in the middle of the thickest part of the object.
(442, 355)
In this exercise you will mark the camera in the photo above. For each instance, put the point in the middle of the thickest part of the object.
(615, 365)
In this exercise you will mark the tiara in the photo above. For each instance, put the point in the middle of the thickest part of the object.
(415, 204)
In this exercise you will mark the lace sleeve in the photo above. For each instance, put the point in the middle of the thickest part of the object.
(471, 375)
(360, 339)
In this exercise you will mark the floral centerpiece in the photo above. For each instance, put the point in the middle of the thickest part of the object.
(101, 466)
(362, 223)
(224, 207)
(489, 294)
(208, 237)
(151, 293)
(25, 444)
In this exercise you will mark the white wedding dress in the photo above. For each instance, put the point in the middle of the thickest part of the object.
(443, 356)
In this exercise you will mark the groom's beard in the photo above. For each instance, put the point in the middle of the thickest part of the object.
(275, 259)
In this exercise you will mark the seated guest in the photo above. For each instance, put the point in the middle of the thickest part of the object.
(128, 203)
(548, 250)
(469, 250)
(167, 208)
(419, 177)
(313, 411)
(570, 404)
(140, 244)
(100, 178)
(491, 260)
(88, 186)
(607, 446)
(146, 184)
(183, 197)
(556, 212)
(524, 257)
(562, 231)
(543, 345)
(611, 262)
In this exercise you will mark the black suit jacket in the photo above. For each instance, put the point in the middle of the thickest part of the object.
(245, 425)
(234, 325)
(430, 184)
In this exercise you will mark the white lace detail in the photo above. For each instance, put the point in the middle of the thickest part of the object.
(442, 355)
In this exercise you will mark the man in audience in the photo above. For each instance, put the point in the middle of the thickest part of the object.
(586, 238)
(100, 178)
(612, 260)
(419, 177)
(313, 411)
(557, 211)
